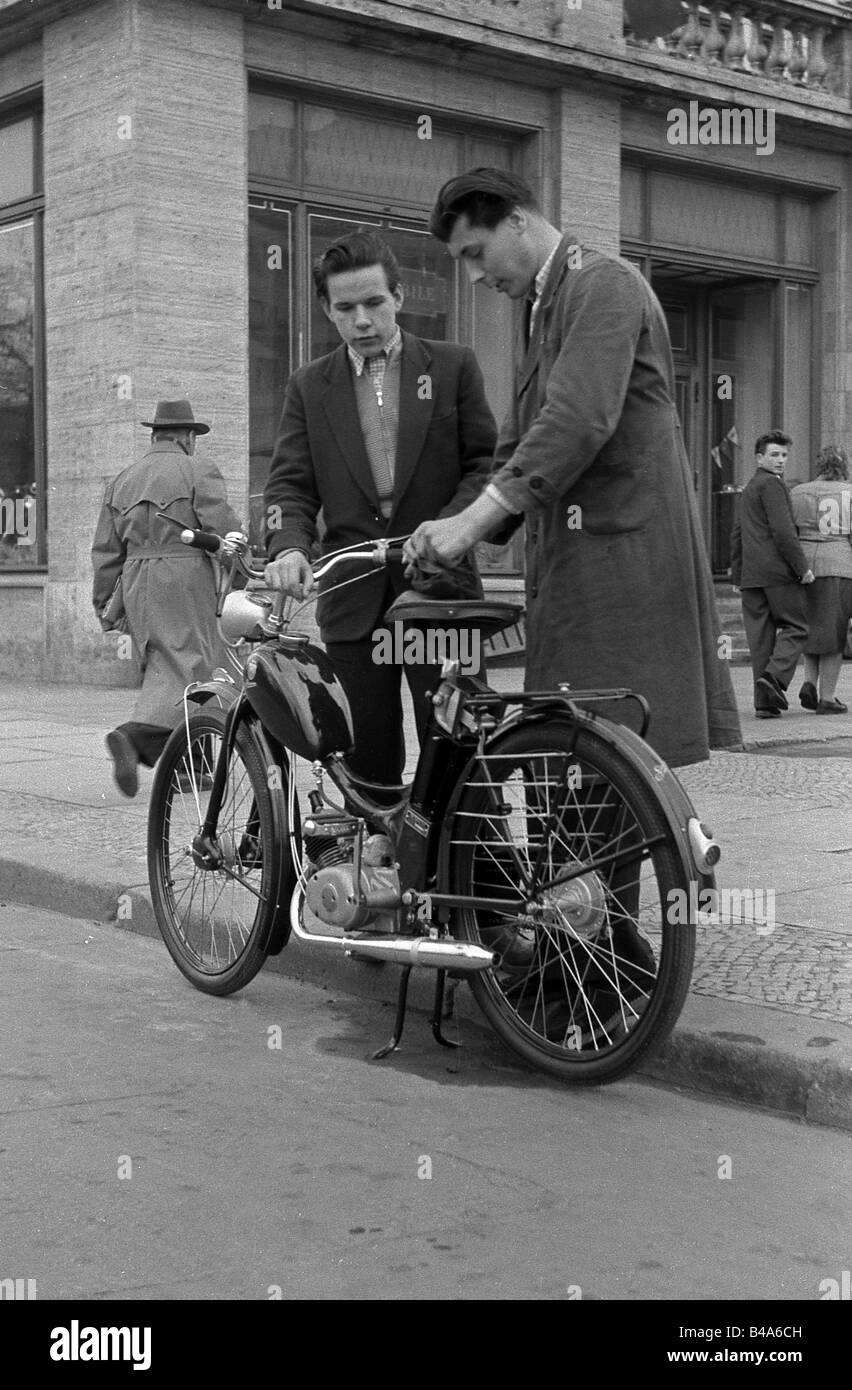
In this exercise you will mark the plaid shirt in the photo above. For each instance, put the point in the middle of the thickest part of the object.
(376, 366)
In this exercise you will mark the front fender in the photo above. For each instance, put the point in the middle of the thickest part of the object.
(225, 693)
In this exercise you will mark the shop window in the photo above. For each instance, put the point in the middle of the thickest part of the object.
(337, 171)
(22, 541)
(361, 155)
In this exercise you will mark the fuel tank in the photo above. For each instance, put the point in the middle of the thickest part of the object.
(292, 688)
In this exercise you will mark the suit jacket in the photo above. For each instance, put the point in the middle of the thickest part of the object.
(765, 546)
(619, 590)
(444, 450)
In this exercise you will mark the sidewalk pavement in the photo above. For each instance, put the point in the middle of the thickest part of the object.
(769, 1018)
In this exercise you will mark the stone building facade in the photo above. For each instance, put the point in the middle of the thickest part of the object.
(168, 168)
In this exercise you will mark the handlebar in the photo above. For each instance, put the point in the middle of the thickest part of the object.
(235, 546)
(201, 540)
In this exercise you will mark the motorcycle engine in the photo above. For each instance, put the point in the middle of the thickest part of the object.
(331, 893)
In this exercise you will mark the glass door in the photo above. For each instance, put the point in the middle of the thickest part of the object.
(742, 399)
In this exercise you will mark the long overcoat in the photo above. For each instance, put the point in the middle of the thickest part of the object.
(618, 585)
(169, 590)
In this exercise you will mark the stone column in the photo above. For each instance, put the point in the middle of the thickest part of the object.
(145, 271)
(586, 138)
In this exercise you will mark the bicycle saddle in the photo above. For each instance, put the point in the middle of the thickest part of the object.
(488, 615)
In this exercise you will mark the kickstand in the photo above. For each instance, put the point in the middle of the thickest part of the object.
(438, 1011)
(399, 1021)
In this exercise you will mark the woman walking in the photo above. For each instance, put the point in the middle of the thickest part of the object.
(823, 512)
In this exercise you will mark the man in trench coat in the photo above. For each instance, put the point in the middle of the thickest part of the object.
(618, 586)
(168, 589)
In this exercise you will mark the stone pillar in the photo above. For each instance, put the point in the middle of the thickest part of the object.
(587, 165)
(145, 271)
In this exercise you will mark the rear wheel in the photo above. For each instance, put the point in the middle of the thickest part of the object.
(593, 967)
(216, 923)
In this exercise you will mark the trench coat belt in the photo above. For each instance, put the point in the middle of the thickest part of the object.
(185, 552)
(811, 539)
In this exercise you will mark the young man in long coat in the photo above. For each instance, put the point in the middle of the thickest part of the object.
(168, 589)
(618, 586)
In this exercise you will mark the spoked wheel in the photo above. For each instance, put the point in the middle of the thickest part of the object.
(591, 971)
(216, 923)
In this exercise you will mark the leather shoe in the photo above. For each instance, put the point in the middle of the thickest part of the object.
(831, 707)
(773, 689)
(125, 762)
(767, 714)
(808, 697)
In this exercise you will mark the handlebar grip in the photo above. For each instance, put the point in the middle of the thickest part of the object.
(201, 540)
(394, 553)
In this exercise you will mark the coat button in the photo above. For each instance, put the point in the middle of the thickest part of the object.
(516, 471)
(536, 482)
(534, 592)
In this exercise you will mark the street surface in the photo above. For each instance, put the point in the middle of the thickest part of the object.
(159, 1144)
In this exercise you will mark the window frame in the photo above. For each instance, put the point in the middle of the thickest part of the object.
(31, 209)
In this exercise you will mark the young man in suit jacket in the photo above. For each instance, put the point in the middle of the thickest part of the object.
(385, 432)
(768, 568)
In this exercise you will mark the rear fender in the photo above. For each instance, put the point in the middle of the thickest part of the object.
(656, 775)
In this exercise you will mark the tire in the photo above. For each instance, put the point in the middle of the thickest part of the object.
(215, 927)
(593, 975)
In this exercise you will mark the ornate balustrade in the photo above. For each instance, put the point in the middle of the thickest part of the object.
(799, 44)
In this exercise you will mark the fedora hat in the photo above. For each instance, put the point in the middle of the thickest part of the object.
(175, 415)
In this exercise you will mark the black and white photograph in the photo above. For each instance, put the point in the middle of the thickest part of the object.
(425, 684)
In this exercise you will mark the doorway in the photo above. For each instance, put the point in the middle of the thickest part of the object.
(728, 358)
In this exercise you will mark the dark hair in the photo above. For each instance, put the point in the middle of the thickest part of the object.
(773, 437)
(832, 462)
(485, 196)
(355, 252)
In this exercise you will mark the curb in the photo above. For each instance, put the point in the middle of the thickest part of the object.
(723, 1049)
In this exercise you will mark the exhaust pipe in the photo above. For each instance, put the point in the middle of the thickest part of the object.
(462, 956)
(422, 950)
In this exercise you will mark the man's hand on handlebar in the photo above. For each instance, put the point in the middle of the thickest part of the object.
(290, 573)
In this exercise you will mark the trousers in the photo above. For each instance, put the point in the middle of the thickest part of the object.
(374, 692)
(776, 627)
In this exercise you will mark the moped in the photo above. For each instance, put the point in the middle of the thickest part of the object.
(537, 852)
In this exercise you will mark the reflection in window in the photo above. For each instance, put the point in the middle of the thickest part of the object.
(16, 161)
(18, 518)
(272, 137)
(743, 372)
(367, 157)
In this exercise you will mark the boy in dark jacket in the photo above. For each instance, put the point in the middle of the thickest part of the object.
(768, 568)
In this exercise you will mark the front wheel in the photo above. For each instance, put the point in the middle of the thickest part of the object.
(216, 923)
(592, 967)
